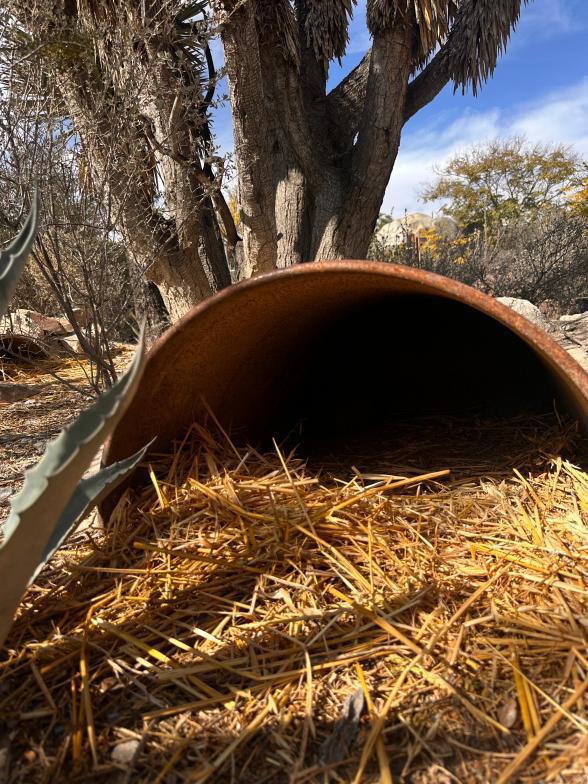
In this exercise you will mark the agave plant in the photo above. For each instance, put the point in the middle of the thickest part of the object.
(55, 495)
(14, 258)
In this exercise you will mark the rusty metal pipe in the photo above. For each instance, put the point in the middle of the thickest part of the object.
(336, 346)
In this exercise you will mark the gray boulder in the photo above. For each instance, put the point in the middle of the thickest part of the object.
(529, 311)
(575, 336)
(571, 332)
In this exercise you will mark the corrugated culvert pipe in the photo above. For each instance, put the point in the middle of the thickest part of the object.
(328, 353)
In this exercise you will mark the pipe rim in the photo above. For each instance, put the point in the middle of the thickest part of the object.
(558, 361)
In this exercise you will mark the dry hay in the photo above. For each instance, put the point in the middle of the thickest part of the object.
(72, 371)
(247, 619)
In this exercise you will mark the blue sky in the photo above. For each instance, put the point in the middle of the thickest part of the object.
(539, 89)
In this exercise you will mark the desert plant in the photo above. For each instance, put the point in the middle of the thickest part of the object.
(136, 82)
(55, 496)
(507, 180)
(79, 265)
(542, 258)
(14, 258)
(138, 115)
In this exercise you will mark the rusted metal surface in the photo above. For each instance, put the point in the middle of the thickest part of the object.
(241, 351)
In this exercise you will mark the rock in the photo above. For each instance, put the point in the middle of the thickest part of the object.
(83, 316)
(50, 325)
(508, 713)
(399, 231)
(575, 337)
(124, 752)
(69, 344)
(573, 318)
(571, 332)
(21, 322)
(577, 326)
(34, 324)
(529, 311)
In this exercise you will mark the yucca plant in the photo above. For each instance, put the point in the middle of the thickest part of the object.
(55, 496)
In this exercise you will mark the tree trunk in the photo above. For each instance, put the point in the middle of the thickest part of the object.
(145, 153)
(312, 167)
(179, 273)
(253, 151)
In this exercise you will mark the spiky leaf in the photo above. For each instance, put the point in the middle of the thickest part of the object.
(480, 34)
(49, 486)
(475, 32)
(277, 27)
(326, 27)
(88, 494)
(14, 257)
(192, 10)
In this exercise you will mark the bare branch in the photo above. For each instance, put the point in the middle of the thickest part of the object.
(346, 100)
(427, 85)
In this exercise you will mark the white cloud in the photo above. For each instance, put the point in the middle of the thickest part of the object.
(562, 117)
(359, 37)
(547, 18)
(559, 118)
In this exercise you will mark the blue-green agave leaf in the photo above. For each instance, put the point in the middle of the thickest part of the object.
(49, 486)
(14, 257)
(191, 10)
(88, 494)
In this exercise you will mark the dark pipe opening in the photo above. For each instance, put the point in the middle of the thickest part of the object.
(402, 356)
(355, 366)
(416, 355)
(372, 375)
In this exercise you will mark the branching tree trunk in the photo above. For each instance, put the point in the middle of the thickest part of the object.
(313, 166)
(130, 76)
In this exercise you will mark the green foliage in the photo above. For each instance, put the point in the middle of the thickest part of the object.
(191, 10)
(54, 496)
(505, 180)
(14, 258)
(38, 515)
(87, 495)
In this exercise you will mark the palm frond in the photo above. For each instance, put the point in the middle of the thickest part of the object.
(277, 25)
(432, 17)
(480, 34)
(476, 31)
(327, 28)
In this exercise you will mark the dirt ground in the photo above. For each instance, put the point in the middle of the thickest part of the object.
(27, 425)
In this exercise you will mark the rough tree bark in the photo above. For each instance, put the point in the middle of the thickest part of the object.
(181, 252)
(313, 166)
(135, 95)
(180, 248)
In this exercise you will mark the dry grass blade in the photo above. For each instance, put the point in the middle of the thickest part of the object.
(234, 606)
